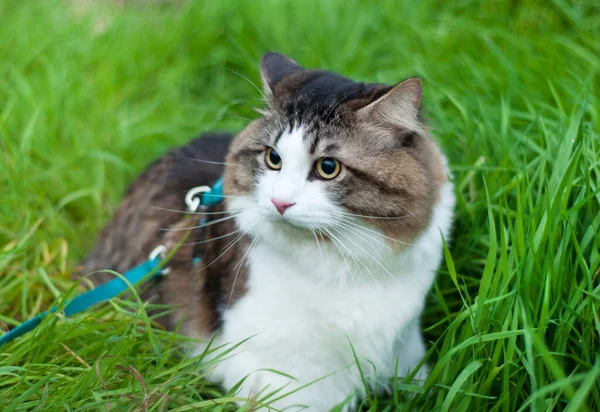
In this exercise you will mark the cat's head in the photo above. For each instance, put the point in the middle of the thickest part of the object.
(334, 156)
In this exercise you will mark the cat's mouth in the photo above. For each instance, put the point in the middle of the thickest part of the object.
(289, 223)
(292, 226)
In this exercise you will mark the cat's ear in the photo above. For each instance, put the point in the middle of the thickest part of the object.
(399, 106)
(273, 68)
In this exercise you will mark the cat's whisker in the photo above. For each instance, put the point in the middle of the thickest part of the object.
(280, 121)
(250, 249)
(352, 254)
(378, 233)
(314, 233)
(225, 196)
(375, 234)
(212, 162)
(320, 233)
(232, 117)
(361, 233)
(410, 212)
(249, 81)
(323, 231)
(211, 239)
(209, 125)
(232, 244)
(187, 212)
(333, 240)
(212, 222)
(233, 241)
(262, 112)
(336, 105)
(356, 230)
(375, 217)
(381, 265)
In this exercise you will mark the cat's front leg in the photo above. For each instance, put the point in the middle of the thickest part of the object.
(263, 389)
(282, 393)
(256, 383)
(410, 350)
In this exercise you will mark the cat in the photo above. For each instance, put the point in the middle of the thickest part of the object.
(336, 201)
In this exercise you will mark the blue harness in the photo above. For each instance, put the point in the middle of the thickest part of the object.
(203, 195)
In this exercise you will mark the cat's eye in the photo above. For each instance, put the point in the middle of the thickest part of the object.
(328, 168)
(272, 159)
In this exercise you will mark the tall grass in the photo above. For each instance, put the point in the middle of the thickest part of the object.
(91, 92)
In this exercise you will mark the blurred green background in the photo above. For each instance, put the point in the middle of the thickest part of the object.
(92, 91)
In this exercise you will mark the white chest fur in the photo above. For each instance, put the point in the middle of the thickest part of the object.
(302, 325)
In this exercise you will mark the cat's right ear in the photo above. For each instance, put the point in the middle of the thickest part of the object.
(399, 106)
(273, 68)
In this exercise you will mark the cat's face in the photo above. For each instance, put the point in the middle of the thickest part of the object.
(332, 158)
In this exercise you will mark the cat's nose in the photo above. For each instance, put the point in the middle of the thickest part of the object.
(281, 205)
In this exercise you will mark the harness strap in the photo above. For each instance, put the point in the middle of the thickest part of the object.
(202, 195)
(92, 297)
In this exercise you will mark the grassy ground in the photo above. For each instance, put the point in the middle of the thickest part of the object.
(89, 95)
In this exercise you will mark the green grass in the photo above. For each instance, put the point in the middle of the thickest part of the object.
(88, 97)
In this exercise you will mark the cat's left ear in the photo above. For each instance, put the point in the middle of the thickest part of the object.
(273, 68)
(399, 106)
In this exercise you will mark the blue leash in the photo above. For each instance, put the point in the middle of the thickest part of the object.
(149, 270)
(214, 195)
(90, 298)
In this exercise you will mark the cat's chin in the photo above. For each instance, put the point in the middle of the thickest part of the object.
(291, 227)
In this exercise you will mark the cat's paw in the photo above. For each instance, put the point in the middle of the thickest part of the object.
(270, 389)
(267, 390)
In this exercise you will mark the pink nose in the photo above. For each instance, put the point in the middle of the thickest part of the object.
(281, 205)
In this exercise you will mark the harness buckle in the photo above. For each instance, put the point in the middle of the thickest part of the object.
(192, 198)
(159, 251)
